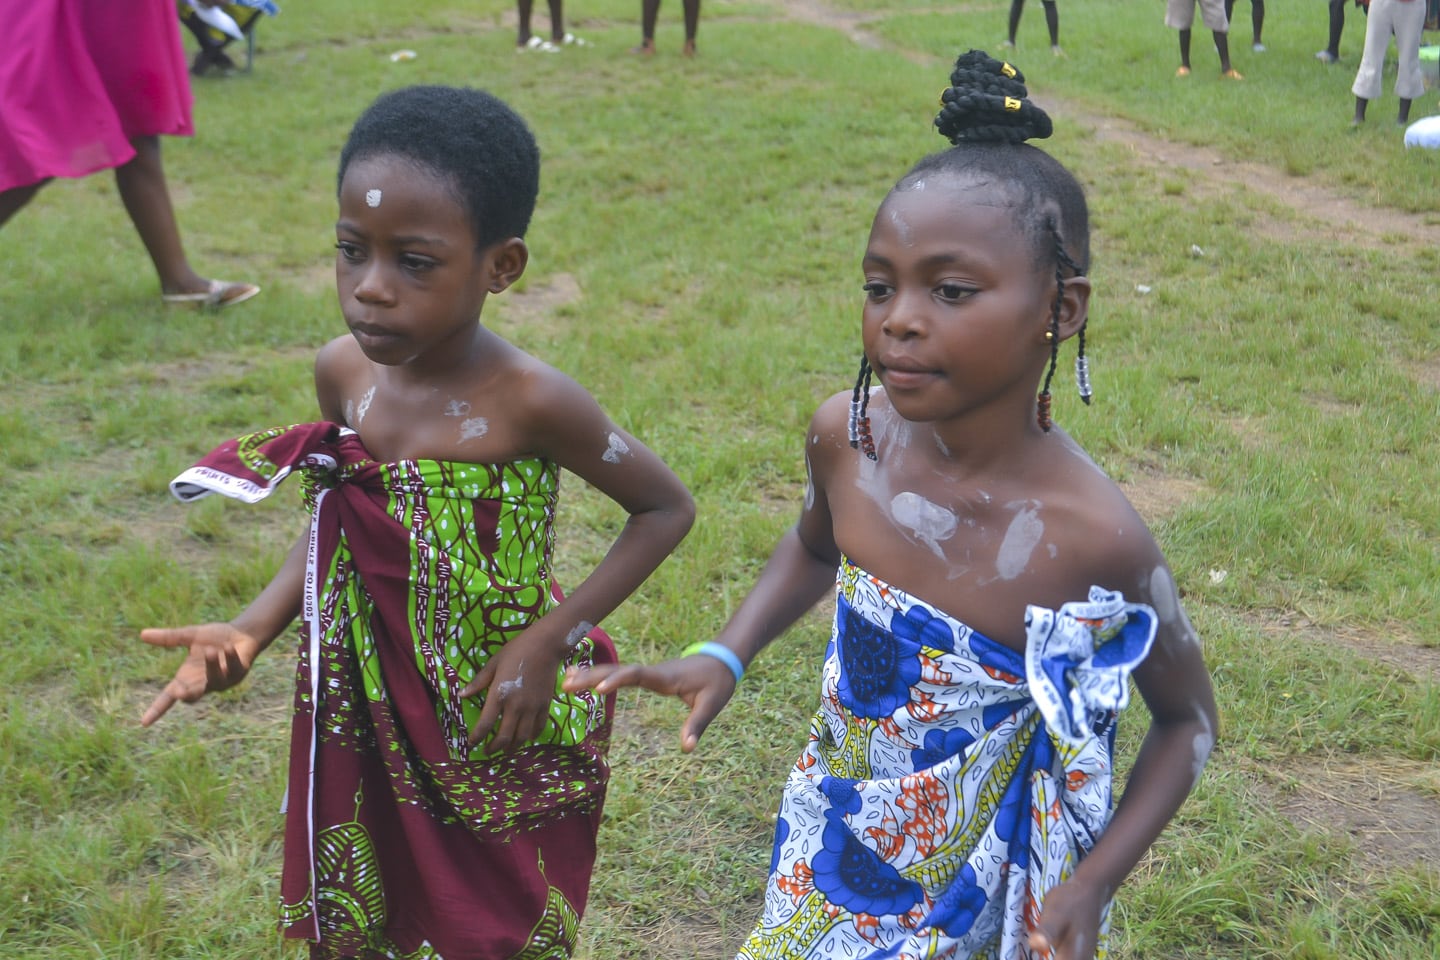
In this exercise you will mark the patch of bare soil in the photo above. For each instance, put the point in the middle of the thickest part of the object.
(1385, 805)
(1156, 494)
(1396, 651)
(1387, 812)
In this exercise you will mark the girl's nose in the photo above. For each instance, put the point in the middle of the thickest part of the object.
(372, 286)
(905, 317)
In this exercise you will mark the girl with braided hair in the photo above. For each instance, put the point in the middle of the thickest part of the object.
(996, 592)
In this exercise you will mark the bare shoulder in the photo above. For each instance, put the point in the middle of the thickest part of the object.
(829, 432)
(1103, 533)
(537, 395)
(338, 365)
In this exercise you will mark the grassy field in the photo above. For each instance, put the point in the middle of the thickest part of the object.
(1268, 388)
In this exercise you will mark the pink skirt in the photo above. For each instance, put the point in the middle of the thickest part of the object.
(79, 79)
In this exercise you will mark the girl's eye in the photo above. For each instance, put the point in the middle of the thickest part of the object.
(953, 291)
(416, 264)
(349, 251)
(874, 289)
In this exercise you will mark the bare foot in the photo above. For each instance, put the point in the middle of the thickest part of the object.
(689, 49)
(646, 48)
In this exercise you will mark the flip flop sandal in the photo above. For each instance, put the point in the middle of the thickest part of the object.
(222, 293)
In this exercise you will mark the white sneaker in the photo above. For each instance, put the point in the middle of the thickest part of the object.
(573, 41)
(537, 45)
(1325, 56)
(1258, 47)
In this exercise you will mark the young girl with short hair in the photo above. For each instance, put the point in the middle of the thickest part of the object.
(444, 793)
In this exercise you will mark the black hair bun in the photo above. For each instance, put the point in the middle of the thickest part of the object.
(986, 102)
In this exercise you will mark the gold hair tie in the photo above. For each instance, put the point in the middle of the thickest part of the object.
(1008, 70)
(1012, 104)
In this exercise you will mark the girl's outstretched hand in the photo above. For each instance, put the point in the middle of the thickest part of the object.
(218, 657)
(704, 683)
(1069, 923)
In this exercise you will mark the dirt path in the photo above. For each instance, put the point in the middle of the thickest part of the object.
(1211, 173)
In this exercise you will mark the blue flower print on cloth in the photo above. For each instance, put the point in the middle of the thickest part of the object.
(1079, 660)
(936, 802)
(880, 666)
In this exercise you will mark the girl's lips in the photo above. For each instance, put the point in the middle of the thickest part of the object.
(904, 376)
(370, 335)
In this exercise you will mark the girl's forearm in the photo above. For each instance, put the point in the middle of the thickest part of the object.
(1166, 769)
(793, 580)
(277, 606)
(646, 540)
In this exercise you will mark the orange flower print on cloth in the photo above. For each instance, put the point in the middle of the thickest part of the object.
(948, 781)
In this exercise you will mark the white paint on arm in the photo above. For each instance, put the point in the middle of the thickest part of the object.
(1165, 598)
(577, 633)
(809, 484)
(615, 448)
(473, 428)
(1201, 746)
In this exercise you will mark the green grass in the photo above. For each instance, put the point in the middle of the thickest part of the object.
(711, 214)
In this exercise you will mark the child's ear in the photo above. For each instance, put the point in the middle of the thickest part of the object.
(1074, 306)
(508, 259)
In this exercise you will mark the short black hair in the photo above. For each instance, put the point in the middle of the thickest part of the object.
(467, 137)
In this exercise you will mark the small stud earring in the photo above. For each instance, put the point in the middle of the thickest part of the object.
(1049, 336)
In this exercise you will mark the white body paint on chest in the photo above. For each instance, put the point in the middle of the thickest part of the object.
(615, 449)
(364, 407)
(927, 522)
(1020, 540)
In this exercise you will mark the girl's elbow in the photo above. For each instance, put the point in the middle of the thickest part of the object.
(684, 513)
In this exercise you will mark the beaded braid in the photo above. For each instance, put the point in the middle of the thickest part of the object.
(860, 436)
(1063, 262)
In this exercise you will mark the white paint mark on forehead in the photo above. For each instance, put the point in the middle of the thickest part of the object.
(457, 408)
(474, 428)
(372, 198)
(902, 228)
(615, 449)
(1020, 540)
